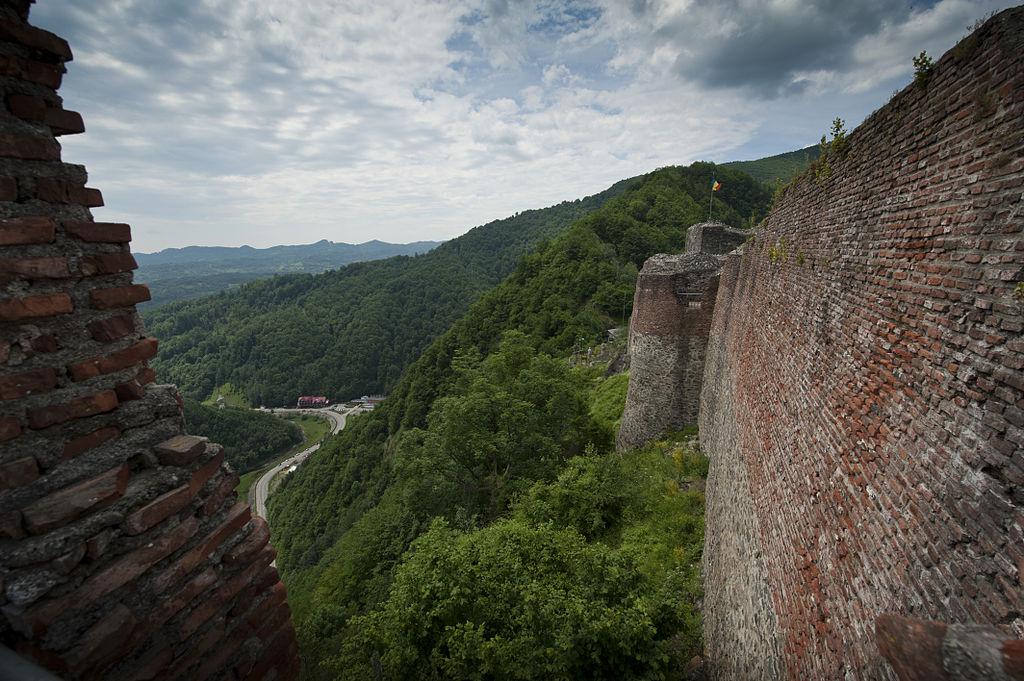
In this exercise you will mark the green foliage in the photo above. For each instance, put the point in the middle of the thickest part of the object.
(229, 395)
(509, 419)
(510, 601)
(609, 401)
(347, 332)
(488, 430)
(923, 66)
(780, 168)
(1018, 291)
(249, 437)
(313, 428)
(595, 576)
(836, 148)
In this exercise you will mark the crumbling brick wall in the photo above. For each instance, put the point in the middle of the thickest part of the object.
(863, 400)
(124, 553)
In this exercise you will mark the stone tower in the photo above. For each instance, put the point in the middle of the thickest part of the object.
(672, 310)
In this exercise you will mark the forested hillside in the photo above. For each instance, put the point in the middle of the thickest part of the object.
(195, 271)
(478, 516)
(249, 437)
(778, 168)
(346, 332)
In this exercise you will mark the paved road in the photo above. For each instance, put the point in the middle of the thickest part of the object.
(260, 490)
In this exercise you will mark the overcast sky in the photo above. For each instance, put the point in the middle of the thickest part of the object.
(264, 122)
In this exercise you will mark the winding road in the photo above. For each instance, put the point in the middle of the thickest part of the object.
(259, 491)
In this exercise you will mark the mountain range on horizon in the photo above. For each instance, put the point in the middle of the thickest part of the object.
(191, 272)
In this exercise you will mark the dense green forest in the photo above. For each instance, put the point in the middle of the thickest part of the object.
(195, 271)
(478, 524)
(249, 437)
(346, 332)
(780, 168)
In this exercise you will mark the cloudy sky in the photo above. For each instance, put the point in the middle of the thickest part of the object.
(263, 122)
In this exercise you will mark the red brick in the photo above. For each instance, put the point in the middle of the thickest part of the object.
(205, 472)
(245, 550)
(96, 547)
(68, 505)
(49, 75)
(109, 263)
(104, 643)
(154, 664)
(47, 305)
(10, 427)
(280, 650)
(106, 330)
(27, 107)
(158, 510)
(64, 122)
(44, 344)
(226, 592)
(28, 383)
(33, 268)
(146, 376)
(10, 524)
(59, 191)
(28, 147)
(185, 595)
(180, 450)
(236, 517)
(18, 472)
(82, 407)
(86, 442)
(8, 192)
(122, 296)
(30, 36)
(98, 366)
(211, 603)
(100, 232)
(215, 658)
(129, 390)
(216, 499)
(1012, 654)
(117, 574)
(70, 560)
(26, 230)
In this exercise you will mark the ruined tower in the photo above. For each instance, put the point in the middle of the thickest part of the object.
(672, 311)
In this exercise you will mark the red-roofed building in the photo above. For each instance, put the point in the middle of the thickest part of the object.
(310, 401)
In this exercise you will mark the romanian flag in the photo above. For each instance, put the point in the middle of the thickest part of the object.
(715, 185)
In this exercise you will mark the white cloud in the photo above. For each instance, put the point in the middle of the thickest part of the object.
(272, 121)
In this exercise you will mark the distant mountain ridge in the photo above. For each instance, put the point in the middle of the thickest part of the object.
(348, 331)
(195, 271)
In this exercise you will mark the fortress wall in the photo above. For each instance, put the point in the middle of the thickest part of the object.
(124, 553)
(672, 312)
(863, 397)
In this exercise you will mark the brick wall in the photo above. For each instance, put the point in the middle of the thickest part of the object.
(863, 400)
(672, 312)
(716, 238)
(124, 553)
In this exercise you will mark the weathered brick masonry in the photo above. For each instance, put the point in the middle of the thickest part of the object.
(123, 551)
(863, 400)
(668, 334)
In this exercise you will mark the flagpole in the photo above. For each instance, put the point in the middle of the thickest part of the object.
(712, 200)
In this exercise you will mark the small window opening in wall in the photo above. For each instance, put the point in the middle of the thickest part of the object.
(694, 304)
